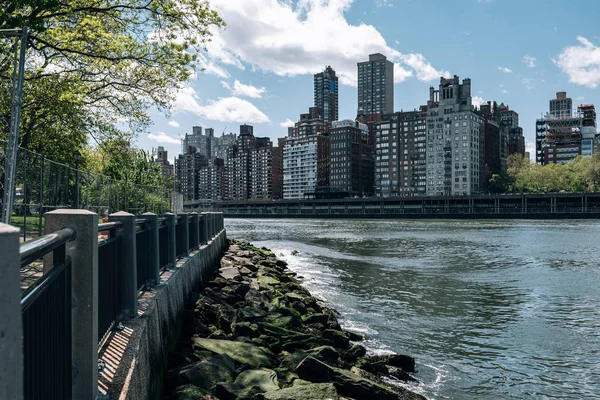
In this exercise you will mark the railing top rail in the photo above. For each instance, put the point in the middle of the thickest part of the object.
(162, 219)
(106, 226)
(40, 285)
(38, 248)
(140, 221)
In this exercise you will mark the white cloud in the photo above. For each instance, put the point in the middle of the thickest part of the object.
(580, 98)
(286, 39)
(504, 69)
(528, 82)
(226, 109)
(162, 137)
(581, 63)
(226, 85)
(287, 123)
(239, 89)
(529, 61)
(504, 91)
(477, 101)
(174, 124)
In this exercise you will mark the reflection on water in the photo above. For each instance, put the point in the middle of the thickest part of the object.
(490, 309)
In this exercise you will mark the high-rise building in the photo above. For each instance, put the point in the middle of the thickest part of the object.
(455, 140)
(162, 159)
(376, 85)
(222, 144)
(187, 168)
(202, 142)
(561, 106)
(249, 164)
(562, 135)
(497, 119)
(277, 170)
(306, 157)
(212, 181)
(351, 159)
(326, 94)
(400, 154)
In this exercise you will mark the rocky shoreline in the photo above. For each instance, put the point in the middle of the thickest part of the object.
(256, 334)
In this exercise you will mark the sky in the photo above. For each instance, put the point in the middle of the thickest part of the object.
(259, 70)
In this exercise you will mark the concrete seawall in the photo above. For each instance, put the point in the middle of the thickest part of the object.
(132, 359)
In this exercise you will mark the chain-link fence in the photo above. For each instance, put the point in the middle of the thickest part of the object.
(43, 185)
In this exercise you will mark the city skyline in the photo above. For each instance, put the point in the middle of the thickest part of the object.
(269, 92)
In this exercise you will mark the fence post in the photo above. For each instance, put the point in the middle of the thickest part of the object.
(11, 344)
(185, 221)
(171, 241)
(195, 234)
(129, 297)
(153, 261)
(84, 288)
(203, 223)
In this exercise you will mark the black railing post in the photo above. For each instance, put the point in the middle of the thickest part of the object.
(172, 239)
(153, 249)
(84, 288)
(184, 241)
(194, 232)
(203, 223)
(128, 274)
(11, 343)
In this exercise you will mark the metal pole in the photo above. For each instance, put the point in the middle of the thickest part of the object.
(41, 206)
(77, 188)
(15, 118)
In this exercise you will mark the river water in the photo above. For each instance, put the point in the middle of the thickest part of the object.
(490, 309)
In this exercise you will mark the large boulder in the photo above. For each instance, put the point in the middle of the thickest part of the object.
(190, 392)
(207, 373)
(244, 353)
(312, 391)
(265, 379)
(406, 363)
(349, 384)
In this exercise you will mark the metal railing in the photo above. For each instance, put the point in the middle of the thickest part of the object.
(43, 185)
(46, 310)
(105, 287)
(141, 251)
(109, 279)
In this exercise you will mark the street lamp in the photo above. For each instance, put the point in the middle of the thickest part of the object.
(77, 157)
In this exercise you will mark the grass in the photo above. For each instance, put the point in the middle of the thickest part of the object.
(33, 223)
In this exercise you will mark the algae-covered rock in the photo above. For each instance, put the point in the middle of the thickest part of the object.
(207, 373)
(236, 391)
(354, 353)
(349, 384)
(265, 379)
(189, 392)
(268, 280)
(312, 391)
(245, 353)
(341, 340)
(318, 318)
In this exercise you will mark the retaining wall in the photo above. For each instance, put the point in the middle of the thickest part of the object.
(133, 360)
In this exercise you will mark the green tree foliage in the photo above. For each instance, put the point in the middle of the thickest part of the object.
(523, 176)
(95, 67)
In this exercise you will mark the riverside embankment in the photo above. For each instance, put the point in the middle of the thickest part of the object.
(255, 333)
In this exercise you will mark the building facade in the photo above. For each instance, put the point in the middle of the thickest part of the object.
(562, 135)
(212, 181)
(277, 170)
(400, 154)
(376, 85)
(455, 140)
(167, 169)
(306, 157)
(326, 94)
(248, 167)
(187, 168)
(351, 159)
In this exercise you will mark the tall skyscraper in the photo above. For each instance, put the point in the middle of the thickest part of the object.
(376, 85)
(562, 106)
(455, 140)
(326, 94)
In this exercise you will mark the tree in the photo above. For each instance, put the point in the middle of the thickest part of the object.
(95, 67)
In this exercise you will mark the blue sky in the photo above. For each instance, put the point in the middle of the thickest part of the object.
(259, 70)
